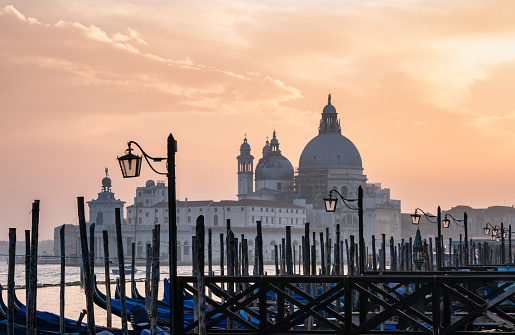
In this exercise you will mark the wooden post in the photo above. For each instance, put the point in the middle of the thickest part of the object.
(201, 286)
(92, 248)
(63, 280)
(276, 259)
(289, 264)
(374, 259)
(327, 252)
(259, 245)
(10, 281)
(306, 247)
(121, 267)
(33, 278)
(322, 253)
(156, 234)
(109, 318)
(383, 248)
(88, 279)
(351, 251)
(337, 252)
(27, 266)
(392, 256)
(430, 252)
(210, 253)
(148, 280)
(133, 265)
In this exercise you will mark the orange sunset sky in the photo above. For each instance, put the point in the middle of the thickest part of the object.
(424, 89)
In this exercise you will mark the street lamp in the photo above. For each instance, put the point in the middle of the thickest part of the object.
(130, 165)
(461, 223)
(415, 219)
(330, 206)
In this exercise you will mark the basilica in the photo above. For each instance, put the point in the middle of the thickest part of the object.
(329, 161)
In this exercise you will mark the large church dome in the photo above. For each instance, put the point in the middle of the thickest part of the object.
(330, 148)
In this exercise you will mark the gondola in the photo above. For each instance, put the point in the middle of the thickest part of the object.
(46, 322)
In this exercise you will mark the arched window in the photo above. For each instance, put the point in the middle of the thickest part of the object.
(215, 220)
(186, 248)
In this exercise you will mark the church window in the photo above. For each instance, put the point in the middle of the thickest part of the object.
(252, 219)
(271, 220)
(189, 210)
(129, 211)
(266, 209)
(147, 201)
(139, 194)
(100, 218)
(228, 209)
(216, 210)
(297, 211)
(279, 210)
(156, 219)
(215, 220)
(186, 248)
(130, 221)
(146, 215)
(243, 209)
(200, 210)
(279, 185)
(344, 191)
(266, 219)
(140, 220)
(141, 211)
(271, 209)
(189, 219)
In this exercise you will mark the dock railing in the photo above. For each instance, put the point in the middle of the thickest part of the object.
(390, 303)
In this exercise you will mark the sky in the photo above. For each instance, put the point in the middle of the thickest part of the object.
(424, 89)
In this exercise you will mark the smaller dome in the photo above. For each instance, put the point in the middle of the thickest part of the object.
(266, 149)
(150, 183)
(245, 146)
(329, 109)
(106, 182)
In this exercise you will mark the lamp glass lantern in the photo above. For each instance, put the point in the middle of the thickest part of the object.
(446, 223)
(415, 218)
(330, 203)
(495, 231)
(486, 230)
(130, 165)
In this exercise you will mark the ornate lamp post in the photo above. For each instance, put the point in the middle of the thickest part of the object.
(418, 251)
(415, 219)
(461, 223)
(330, 206)
(499, 234)
(131, 167)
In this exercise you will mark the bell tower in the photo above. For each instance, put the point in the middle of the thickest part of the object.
(245, 170)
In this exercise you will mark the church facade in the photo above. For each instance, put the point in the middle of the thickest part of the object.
(329, 161)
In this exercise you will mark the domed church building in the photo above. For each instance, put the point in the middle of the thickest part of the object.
(329, 161)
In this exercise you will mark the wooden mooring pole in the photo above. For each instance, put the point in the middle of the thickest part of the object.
(10, 281)
(63, 281)
(121, 267)
(33, 278)
(201, 287)
(88, 280)
(109, 318)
